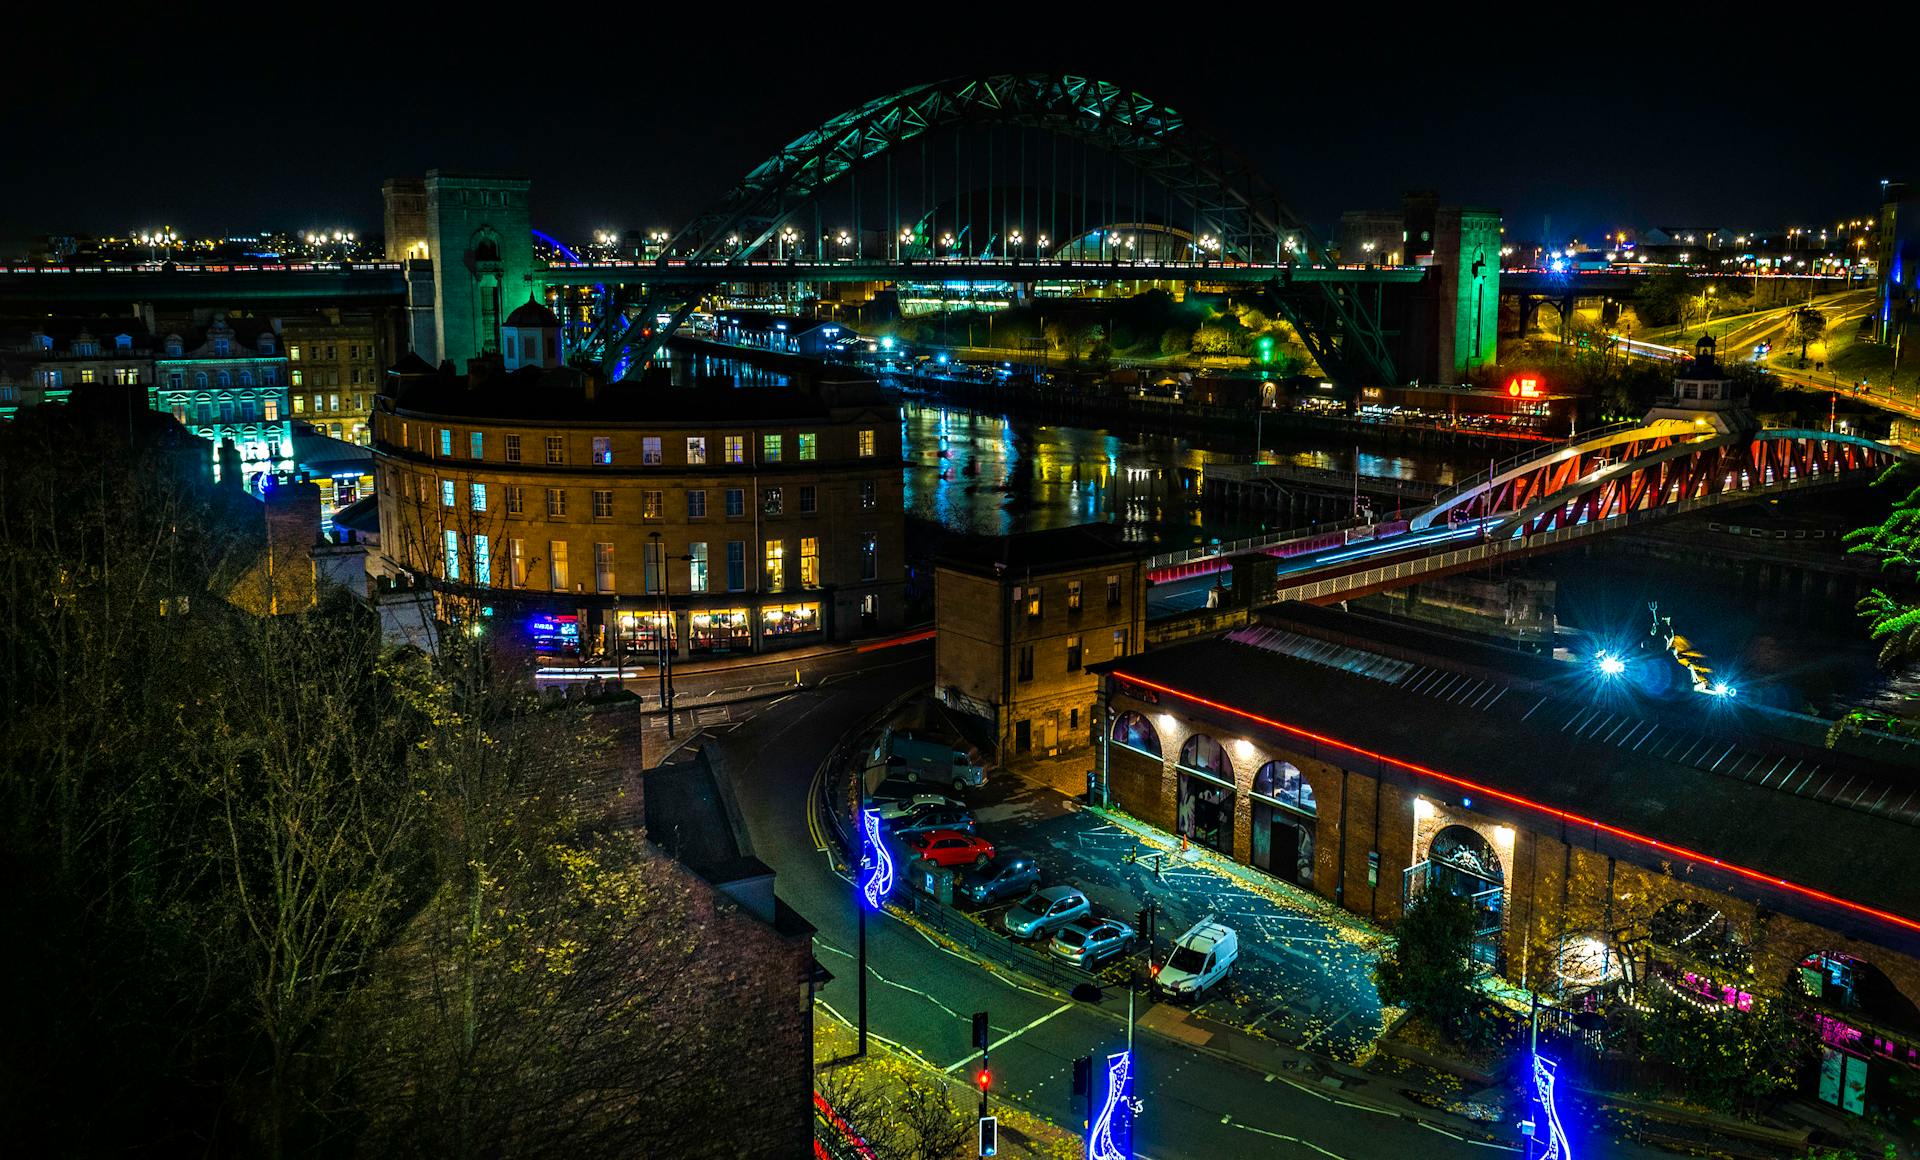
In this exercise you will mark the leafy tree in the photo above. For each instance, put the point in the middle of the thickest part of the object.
(1809, 324)
(1664, 300)
(1729, 1058)
(1217, 338)
(1893, 619)
(1428, 970)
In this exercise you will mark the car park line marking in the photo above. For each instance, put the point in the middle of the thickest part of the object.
(1326, 1029)
(1009, 1037)
(893, 1043)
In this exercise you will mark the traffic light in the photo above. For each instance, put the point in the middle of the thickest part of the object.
(989, 1135)
(1083, 1075)
(983, 1079)
(980, 1030)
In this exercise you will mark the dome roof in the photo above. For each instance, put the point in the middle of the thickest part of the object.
(532, 313)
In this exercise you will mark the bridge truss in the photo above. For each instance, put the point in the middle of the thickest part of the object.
(1339, 322)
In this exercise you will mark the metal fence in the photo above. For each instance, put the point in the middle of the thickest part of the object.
(998, 948)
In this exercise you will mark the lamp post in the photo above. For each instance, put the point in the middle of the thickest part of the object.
(663, 631)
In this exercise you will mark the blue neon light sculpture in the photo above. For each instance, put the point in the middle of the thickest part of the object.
(878, 862)
(1557, 1145)
(1110, 1137)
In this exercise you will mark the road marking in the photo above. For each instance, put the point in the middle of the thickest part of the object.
(1228, 1121)
(1466, 1139)
(889, 982)
(1010, 1037)
(1326, 1029)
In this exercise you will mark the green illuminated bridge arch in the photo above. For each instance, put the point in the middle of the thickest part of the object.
(1339, 325)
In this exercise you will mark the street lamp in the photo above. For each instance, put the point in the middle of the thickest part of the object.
(946, 241)
(787, 238)
(906, 238)
(1014, 239)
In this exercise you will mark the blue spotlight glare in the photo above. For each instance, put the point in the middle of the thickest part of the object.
(1609, 665)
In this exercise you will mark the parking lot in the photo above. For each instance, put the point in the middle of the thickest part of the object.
(1301, 978)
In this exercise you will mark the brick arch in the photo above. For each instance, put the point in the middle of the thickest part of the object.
(1132, 730)
(1200, 751)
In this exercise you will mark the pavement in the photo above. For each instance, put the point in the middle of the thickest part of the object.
(1206, 1090)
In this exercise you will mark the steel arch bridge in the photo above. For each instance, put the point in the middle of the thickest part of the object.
(1340, 325)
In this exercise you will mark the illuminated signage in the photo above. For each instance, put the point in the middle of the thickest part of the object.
(1557, 1147)
(875, 859)
(566, 627)
(1526, 387)
(1110, 1137)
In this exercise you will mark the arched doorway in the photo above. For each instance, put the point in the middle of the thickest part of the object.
(1463, 863)
(1205, 814)
(1133, 731)
(1283, 823)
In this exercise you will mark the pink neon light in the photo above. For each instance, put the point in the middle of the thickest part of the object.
(1555, 812)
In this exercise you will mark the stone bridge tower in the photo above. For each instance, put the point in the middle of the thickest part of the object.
(479, 240)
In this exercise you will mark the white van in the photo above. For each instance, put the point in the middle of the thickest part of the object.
(1200, 958)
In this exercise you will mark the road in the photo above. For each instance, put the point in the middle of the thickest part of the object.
(922, 995)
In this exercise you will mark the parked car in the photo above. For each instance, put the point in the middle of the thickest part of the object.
(942, 818)
(926, 759)
(951, 848)
(1200, 958)
(1007, 875)
(894, 809)
(1040, 912)
(1088, 942)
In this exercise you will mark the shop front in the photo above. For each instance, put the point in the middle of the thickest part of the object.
(1205, 811)
(717, 631)
(1284, 817)
(643, 633)
(789, 623)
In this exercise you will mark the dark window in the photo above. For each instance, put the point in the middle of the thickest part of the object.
(809, 501)
(1026, 663)
(1073, 654)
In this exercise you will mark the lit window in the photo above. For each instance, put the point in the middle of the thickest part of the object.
(869, 494)
(602, 450)
(482, 560)
(556, 449)
(602, 504)
(1073, 654)
(299, 404)
(809, 562)
(446, 493)
(1073, 596)
(770, 448)
(869, 556)
(516, 499)
(556, 502)
(517, 563)
(771, 501)
(653, 505)
(452, 565)
(270, 410)
(809, 445)
(866, 442)
(557, 563)
(736, 449)
(477, 496)
(650, 451)
(776, 565)
(696, 449)
(476, 444)
(446, 436)
(293, 354)
(697, 566)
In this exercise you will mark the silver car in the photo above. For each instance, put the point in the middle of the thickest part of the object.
(1043, 910)
(1088, 942)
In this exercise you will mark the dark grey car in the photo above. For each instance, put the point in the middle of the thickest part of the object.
(1004, 877)
(1041, 911)
(946, 818)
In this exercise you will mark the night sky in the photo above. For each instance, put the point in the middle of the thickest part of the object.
(633, 122)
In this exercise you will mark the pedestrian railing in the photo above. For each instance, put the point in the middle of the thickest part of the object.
(998, 948)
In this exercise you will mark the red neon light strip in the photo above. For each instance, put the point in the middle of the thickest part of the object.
(1543, 808)
(896, 642)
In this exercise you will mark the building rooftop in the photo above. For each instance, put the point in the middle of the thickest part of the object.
(561, 395)
(1550, 747)
(1059, 549)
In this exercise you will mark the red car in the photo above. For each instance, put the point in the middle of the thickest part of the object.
(951, 848)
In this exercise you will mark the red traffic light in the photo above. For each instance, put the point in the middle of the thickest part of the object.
(983, 1078)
